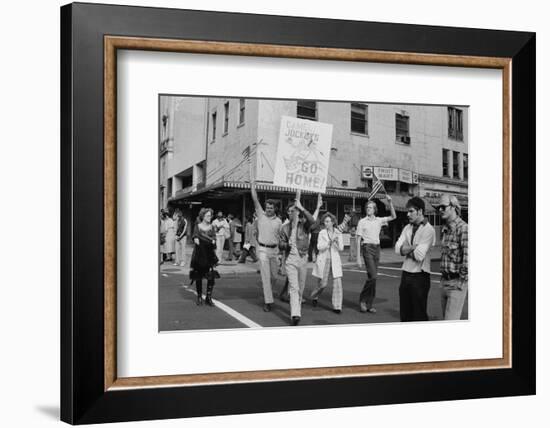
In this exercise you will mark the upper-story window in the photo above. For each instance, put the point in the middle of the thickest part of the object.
(445, 162)
(214, 117)
(456, 170)
(226, 117)
(359, 118)
(454, 124)
(402, 128)
(307, 110)
(242, 106)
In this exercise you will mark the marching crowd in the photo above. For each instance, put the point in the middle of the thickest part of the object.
(268, 239)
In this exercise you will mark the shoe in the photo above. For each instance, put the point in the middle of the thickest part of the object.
(209, 301)
(371, 310)
(241, 261)
(295, 320)
(363, 307)
(337, 311)
(314, 302)
(182, 264)
(267, 307)
(199, 300)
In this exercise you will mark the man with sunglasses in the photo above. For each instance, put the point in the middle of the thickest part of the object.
(454, 258)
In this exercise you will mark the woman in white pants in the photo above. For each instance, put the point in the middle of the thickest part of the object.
(328, 263)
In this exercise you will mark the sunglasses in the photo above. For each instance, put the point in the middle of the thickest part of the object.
(443, 207)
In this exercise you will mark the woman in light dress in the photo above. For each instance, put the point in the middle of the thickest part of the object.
(169, 228)
(328, 264)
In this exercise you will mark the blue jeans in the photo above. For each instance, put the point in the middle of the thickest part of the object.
(371, 258)
(453, 294)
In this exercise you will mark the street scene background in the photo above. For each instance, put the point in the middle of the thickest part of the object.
(239, 300)
(209, 148)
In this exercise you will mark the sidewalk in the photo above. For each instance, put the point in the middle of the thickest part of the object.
(232, 268)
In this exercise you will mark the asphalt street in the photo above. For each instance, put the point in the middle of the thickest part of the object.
(239, 301)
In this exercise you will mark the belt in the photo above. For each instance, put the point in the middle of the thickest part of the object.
(267, 246)
(449, 275)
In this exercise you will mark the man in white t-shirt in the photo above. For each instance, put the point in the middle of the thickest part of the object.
(368, 246)
(221, 226)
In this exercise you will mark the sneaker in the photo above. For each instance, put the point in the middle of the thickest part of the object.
(363, 307)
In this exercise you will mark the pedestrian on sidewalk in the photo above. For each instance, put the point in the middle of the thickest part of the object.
(230, 237)
(328, 264)
(268, 243)
(368, 247)
(250, 241)
(237, 235)
(221, 227)
(294, 243)
(415, 243)
(204, 257)
(181, 238)
(454, 258)
(168, 227)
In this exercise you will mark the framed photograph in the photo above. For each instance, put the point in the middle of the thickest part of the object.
(273, 213)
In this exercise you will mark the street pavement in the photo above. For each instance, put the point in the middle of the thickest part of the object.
(239, 299)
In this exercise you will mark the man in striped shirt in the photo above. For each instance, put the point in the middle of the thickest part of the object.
(454, 258)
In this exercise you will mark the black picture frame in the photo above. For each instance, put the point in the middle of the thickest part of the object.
(83, 396)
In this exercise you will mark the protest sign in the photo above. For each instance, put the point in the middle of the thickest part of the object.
(303, 154)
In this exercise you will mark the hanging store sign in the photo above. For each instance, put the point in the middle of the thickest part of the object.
(383, 173)
(389, 174)
(303, 154)
(405, 176)
(366, 172)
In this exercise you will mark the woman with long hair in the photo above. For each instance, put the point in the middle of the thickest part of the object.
(204, 257)
(328, 264)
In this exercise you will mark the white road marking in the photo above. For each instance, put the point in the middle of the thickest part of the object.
(385, 267)
(391, 276)
(164, 274)
(229, 311)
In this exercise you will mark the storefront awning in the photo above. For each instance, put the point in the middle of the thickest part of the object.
(226, 188)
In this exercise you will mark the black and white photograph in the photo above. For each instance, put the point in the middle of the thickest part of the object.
(301, 212)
